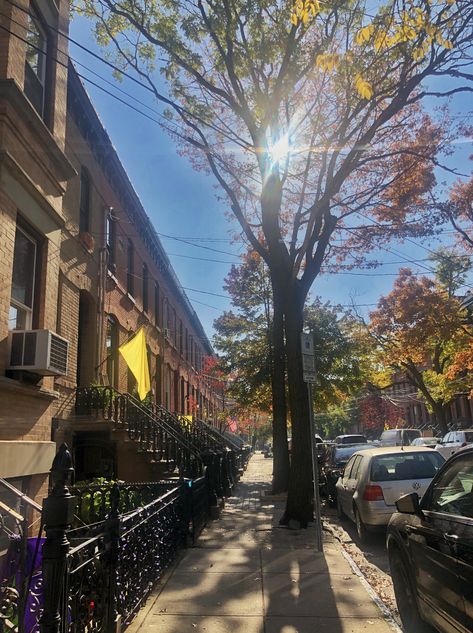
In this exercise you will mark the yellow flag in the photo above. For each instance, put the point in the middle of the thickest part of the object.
(136, 357)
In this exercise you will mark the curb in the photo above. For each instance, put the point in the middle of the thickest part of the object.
(373, 595)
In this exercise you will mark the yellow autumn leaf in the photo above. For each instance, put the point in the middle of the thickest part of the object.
(294, 19)
(364, 34)
(327, 61)
(363, 87)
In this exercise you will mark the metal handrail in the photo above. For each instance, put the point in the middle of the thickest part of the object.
(20, 495)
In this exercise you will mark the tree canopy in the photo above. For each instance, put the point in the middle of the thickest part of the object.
(309, 116)
(418, 331)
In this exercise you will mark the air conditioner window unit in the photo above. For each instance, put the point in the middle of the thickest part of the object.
(39, 352)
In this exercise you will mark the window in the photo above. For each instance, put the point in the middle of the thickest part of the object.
(111, 348)
(157, 299)
(23, 281)
(174, 327)
(84, 210)
(110, 238)
(35, 61)
(130, 276)
(145, 287)
(180, 337)
(187, 345)
(453, 492)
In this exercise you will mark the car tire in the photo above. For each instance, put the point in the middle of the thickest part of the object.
(411, 619)
(361, 530)
(340, 514)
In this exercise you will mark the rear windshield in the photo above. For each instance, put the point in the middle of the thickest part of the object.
(469, 436)
(405, 466)
(387, 435)
(411, 435)
(343, 454)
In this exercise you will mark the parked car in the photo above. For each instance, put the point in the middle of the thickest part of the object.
(430, 549)
(351, 439)
(337, 458)
(431, 442)
(454, 440)
(399, 437)
(374, 479)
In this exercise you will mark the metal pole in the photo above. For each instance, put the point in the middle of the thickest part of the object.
(315, 469)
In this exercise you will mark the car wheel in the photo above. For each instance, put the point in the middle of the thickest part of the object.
(361, 530)
(405, 596)
(341, 515)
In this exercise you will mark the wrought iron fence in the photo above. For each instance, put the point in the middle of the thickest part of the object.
(20, 562)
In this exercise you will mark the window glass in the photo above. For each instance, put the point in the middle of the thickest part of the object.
(130, 278)
(35, 61)
(84, 211)
(112, 351)
(356, 467)
(348, 467)
(401, 466)
(157, 312)
(469, 436)
(453, 492)
(110, 238)
(145, 287)
(23, 276)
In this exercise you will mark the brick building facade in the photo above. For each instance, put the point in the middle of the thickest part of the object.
(79, 257)
(34, 171)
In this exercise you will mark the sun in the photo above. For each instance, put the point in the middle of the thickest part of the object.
(280, 149)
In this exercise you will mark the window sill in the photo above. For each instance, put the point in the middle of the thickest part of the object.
(16, 386)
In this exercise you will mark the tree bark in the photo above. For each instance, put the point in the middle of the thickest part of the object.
(278, 380)
(300, 491)
(439, 412)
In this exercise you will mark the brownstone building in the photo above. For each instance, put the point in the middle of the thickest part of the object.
(82, 267)
(115, 277)
(34, 171)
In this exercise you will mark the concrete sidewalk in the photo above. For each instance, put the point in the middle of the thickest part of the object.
(248, 575)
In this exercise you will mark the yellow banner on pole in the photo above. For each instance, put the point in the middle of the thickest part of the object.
(136, 357)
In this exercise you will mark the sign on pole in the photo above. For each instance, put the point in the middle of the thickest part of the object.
(308, 358)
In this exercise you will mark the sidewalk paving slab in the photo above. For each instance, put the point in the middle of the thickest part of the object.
(247, 574)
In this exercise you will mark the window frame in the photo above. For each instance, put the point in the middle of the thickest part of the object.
(145, 287)
(38, 100)
(111, 239)
(15, 303)
(84, 200)
(130, 268)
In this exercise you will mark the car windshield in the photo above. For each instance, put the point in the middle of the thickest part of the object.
(411, 435)
(343, 453)
(402, 466)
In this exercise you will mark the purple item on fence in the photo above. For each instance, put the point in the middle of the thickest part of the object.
(12, 575)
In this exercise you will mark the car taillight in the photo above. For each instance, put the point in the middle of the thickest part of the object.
(373, 493)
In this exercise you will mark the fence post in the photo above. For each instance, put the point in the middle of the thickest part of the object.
(57, 514)
(112, 536)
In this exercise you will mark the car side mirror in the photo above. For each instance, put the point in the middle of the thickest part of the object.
(409, 504)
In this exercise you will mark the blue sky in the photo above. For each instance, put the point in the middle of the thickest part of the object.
(183, 204)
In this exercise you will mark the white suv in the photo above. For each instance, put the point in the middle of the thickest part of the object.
(453, 441)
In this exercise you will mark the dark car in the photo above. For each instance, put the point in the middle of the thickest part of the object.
(351, 439)
(430, 548)
(336, 460)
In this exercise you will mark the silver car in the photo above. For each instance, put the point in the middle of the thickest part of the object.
(453, 441)
(374, 479)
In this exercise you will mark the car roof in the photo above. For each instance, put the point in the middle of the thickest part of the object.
(394, 450)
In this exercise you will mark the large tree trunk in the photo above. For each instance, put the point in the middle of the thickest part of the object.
(278, 380)
(440, 415)
(300, 491)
